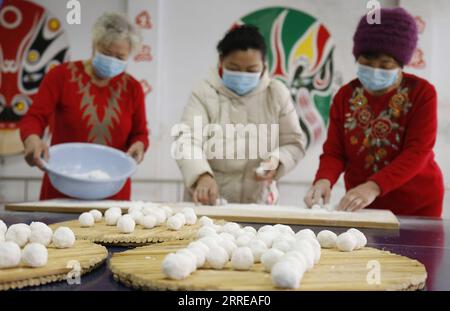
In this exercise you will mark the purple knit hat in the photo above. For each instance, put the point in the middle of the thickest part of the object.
(395, 36)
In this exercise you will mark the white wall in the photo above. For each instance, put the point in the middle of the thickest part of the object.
(187, 35)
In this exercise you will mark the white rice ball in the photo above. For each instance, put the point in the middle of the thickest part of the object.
(111, 217)
(192, 258)
(305, 233)
(35, 255)
(3, 227)
(126, 224)
(200, 255)
(137, 216)
(284, 229)
(2, 237)
(205, 231)
(200, 245)
(217, 257)
(147, 210)
(267, 237)
(284, 275)
(135, 208)
(205, 221)
(258, 248)
(316, 248)
(176, 222)
(97, 215)
(301, 262)
(9, 255)
(160, 216)
(63, 237)
(19, 234)
(209, 241)
(244, 240)
(266, 228)
(250, 229)
(149, 221)
(346, 242)
(304, 247)
(114, 209)
(176, 266)
(283, 243)
(167, 210)
(86, 220)
(361, 239)
(227, 236)
(40, 233)
(327, 239)
(270, 257)
(190, 216)
(228, 245)
(231, 227)
(242, 258)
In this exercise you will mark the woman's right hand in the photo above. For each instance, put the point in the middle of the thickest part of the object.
(35, 148)
(206, 190)
(320, 190)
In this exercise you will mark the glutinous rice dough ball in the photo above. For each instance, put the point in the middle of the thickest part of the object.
(9, 255)
(19, 234)
(63, 237)
(35, 255)
(86, 220)
(40, 233)
(126, 224)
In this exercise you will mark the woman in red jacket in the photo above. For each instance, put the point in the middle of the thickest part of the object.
(91, 101)
(383, 127)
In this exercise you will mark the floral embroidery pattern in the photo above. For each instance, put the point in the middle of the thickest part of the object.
(375, 136)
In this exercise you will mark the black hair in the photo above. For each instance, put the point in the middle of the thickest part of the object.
(242, 38)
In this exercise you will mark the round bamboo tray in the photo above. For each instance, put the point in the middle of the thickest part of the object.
(109, 235)
(140, 268)
(62, 264)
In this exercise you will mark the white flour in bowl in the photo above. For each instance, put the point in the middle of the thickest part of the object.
(93, 175)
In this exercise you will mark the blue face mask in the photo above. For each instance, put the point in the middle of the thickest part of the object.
(375, 79)
(106, 66)
(240, 82)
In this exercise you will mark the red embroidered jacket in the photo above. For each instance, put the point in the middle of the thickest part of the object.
(112, 115)
(388, 139)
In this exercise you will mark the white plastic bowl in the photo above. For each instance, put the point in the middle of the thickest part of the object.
(70, 165)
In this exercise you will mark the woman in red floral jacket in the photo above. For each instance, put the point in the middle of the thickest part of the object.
(383, 127)
(91, 101)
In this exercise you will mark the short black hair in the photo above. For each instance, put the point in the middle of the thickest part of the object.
(242, 38)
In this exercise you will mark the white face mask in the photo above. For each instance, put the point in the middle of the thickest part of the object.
(240, 82)
(376, 79)
(107, 66)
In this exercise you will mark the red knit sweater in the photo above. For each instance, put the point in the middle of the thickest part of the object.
(387, 139)
(112, 115)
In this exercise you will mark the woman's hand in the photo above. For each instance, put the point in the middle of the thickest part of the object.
(267, 169)
(321, 190)
(136, 151)
(35, 148)
(206, 190)
(359, 197)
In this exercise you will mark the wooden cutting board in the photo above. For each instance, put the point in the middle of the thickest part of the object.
(140, 268)
(110, 235)
(253, 213)
(59, 266)
(77, 206)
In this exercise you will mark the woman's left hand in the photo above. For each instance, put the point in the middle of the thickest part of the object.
(271, 168)
(136, 151)
(359, 197)
(268, 176)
